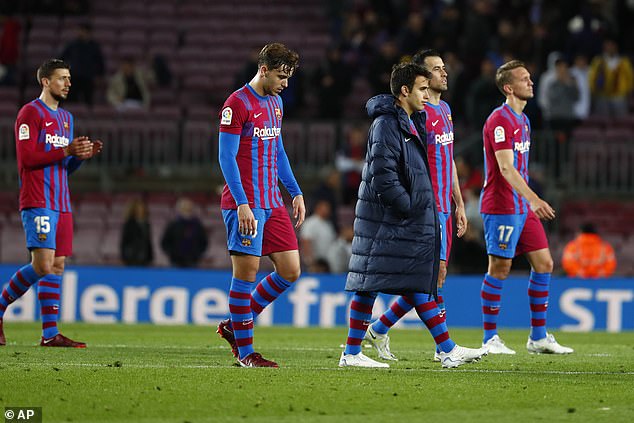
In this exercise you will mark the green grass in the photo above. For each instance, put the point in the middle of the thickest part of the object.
(144, 373)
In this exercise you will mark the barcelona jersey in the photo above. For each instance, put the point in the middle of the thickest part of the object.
(440, 139)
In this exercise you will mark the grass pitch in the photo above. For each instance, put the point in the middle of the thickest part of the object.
(145, 373)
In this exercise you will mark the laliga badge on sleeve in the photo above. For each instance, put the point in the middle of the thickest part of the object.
(227, 114)
(23, 132)
(498, 134)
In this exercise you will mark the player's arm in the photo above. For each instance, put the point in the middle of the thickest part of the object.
(456, 194)
(74, 162)
(287, 177)
(384, 166)
(505, 161)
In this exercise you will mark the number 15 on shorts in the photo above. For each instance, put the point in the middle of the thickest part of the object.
(42, 224)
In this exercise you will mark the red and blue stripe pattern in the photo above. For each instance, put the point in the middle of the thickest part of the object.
(49, 289)
(538, 286)
(360, 316)
(435, 321)
(19, 283)
(440, 138)
(269, 288)
(491, 300)
(241, 315)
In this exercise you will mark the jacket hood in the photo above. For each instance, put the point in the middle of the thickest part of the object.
(381, 104)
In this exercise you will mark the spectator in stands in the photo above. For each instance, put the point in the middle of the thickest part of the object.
(381, 67)
(184, 240)
(412, 35)
(483, 95)
(128, 88)
(317, 234)
(329, 190)
(339, 253)
(9, 49)
(349, 162)
(580, 72)
(333, 82)
(611, 81)
(136, 236)
(588, 256)
(84, 56)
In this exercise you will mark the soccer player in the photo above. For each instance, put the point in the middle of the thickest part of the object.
(511, 213)
(47, 154)
(252, 158)
(444, 178)
(396, 241)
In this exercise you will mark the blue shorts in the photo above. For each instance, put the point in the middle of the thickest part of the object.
(40, 227)
(502, 233)
(444, 220)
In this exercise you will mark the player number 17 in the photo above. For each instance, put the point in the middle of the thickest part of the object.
(42, 224)
(503, 229)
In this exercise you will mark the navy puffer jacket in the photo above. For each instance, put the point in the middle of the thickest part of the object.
(396, 245)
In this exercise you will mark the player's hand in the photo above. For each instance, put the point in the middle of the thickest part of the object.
(97, 146)
(461, 221)
(299, 210)
(80, 147)
(542, 209)
(247, 224)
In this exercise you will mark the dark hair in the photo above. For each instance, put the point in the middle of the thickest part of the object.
(588, 228)
(503, 75)
(421, 55)
(405, 74)
(278, 56)
(47, 68)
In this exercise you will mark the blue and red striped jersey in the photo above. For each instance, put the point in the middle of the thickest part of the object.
(41, 133)
(258, 122)
(440, 137)
(504, 130)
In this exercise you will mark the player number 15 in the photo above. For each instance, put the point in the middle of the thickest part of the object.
(42, 224)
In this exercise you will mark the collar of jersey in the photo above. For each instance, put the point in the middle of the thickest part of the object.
(254, 92)
(45, 106)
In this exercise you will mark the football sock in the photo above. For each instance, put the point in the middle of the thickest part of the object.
(538, 298)
(430, 314)
(267, 291)
(441, 306)
(241, 315)
(360, 316)
(19, 283)
(398, 309)
(491, 300)
(48, 293)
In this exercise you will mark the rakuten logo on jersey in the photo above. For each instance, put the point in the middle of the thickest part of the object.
(445, 138)
(57, 140)
(523, 147)
(266, 133)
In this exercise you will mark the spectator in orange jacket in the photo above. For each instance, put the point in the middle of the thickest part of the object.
(588, 256)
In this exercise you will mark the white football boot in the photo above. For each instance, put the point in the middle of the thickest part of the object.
(461, 355)
(381, 343)
(359, 360)
(547, 345)
(495, 345)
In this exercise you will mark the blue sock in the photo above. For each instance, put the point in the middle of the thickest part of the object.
(48, 292)
(241, 315)
(430, 314)
(360, 316)
(19, 283)
(491, 299)
(397, 310)
(538, 286)
(267, 291)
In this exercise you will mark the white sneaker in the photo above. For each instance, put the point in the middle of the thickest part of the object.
(461, 355)
(436, 357)
(547, 345)
(359, 360)
(381, 343)
(495, 345)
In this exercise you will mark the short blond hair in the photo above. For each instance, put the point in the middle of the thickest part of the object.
(504, 76)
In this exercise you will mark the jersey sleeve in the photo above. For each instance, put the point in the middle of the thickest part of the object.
(27, 130)
(233, 116)
(500, 134)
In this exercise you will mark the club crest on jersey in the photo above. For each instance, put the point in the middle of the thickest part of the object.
(226, 116)
(23, 132)
(278, 113)
(498, 134)
(41, 237)
(502, 246)
(66, 125)
(246, 242)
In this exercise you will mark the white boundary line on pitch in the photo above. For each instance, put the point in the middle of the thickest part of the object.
(334, 368)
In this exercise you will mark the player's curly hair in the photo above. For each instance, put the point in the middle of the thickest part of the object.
(278, 56)
(503, 75)
(47, 68)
